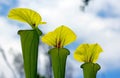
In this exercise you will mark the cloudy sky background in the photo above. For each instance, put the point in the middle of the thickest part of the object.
(100, 22)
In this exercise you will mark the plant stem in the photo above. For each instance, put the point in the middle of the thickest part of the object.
(90, 69)
(30, 42)
(59, 56)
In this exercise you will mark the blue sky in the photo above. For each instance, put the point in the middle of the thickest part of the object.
(98, 23)
(6, 6)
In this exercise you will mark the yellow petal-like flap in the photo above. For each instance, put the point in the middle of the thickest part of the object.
(87, 52)
(26, 15)
(60, 37)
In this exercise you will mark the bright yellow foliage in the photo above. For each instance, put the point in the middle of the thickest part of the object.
(87, 52)
(60, 37)
(26, 15)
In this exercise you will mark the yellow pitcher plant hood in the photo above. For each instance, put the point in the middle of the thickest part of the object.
(60, 37)
(26, 15)
(87, 52)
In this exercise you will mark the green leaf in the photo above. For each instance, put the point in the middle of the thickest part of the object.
(38, 31)
(30, 42)
(90, 69)
(59, 56)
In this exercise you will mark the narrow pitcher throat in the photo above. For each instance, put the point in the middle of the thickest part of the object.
(90, 69)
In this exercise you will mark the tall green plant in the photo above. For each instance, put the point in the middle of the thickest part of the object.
(29, 38)
(88, 53)
(58, 38)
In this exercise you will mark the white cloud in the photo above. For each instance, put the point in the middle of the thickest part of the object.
(8, 33)
(98, 5)
(8, 40)
(4, 68)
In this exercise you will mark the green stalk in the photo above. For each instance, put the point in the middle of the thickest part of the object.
(59, 56)
(90, 69)
(29, 43)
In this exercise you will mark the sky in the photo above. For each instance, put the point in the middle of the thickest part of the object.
(98, 23)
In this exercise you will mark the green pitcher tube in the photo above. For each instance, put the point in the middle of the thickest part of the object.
(30, 42)
(29, 38)
(59, 38)
(88, 53)
(59, 56)
(90, 69)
